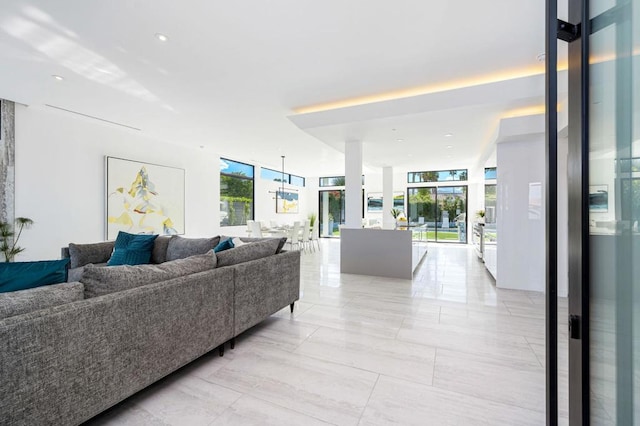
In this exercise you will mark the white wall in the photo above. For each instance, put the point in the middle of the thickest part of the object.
(60, 178)
(521, 213)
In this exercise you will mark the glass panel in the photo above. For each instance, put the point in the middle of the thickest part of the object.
(437, 176)
(490, 173)
(452, 214)
(331, 213)
(235, 168)
(422, 210)
(236, 192)
(236, 200)
(614, 212)
(334, 181)
(297, 180)
(274, 175)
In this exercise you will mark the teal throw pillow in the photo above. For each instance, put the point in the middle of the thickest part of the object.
(24, 275)
(132, 249)
(224, 245)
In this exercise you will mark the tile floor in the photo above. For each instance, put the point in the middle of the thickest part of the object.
(444, 348)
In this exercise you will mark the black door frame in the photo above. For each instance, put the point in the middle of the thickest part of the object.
(466, 207)
(575, 32)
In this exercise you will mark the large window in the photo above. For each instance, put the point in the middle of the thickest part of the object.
(276, 176)
(440, 211)
(437, 176)
(236, 193)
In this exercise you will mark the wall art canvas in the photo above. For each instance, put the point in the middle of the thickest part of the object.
(144, 198)
(598, 198)
(287, 202)
(374, 201)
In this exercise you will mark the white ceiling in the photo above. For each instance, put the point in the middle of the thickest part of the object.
(233, 72)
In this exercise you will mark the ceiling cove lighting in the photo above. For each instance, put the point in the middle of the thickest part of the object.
(58, 77)
(162, 37)
(530, 71)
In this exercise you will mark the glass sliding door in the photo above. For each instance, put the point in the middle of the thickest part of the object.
(442, 210)
(422, 211)
(452, 214)
(331, 212)
(614, 242)
(604, 197)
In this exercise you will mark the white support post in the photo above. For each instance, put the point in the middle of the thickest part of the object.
(353, 184)
(388, 222)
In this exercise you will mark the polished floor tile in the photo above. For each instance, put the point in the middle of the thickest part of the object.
(396, 401)
(447, 347)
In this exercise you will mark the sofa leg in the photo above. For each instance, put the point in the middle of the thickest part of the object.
(291, 306)
(232, 343)
(221, 349)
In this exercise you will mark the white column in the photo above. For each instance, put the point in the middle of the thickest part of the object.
(388, 222)
(353, 184)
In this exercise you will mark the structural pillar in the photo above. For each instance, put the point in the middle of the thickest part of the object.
(353, 184)
(7, 161)
(388, 222)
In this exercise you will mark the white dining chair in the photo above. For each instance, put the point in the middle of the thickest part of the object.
(303, 237)
(249, 224)
(292, 235)
(256, 229)
(314, 235)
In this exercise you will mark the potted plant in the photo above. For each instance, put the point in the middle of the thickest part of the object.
(480, 216)
(312, 219)
(8, 238)
(395, 213)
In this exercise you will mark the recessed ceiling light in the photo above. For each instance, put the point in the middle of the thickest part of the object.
(449, 146)
(400, 140)
(161, 37)
(541, 57)
(58, 77)
(448, 135)
(393, 130)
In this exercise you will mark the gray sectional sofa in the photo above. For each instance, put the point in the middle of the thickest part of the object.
(66, 363)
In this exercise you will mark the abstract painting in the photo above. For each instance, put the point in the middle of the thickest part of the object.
(286, 202)
(599, 198)
(144, 198)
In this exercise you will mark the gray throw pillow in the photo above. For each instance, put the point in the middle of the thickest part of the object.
(181, 247)
(110, 279)
(248, 252)
(24, 301)
(160, 245)
(83, 254)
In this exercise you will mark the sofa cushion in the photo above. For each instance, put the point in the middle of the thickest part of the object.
(282, 240)
(76, 273)
(83, 254)
(159, 252)
(224, 245)
(181, 247)
(99, 281)
(248, 252)
(23, 275)
(132, 249)
(23, 301)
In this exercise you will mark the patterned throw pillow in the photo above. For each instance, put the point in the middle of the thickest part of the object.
(132, 249)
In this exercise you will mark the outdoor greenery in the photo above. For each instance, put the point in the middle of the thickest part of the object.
(236, 196)
(9, 239)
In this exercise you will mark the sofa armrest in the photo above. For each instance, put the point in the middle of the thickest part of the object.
(263, 287)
